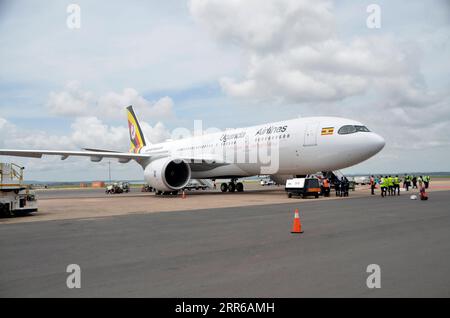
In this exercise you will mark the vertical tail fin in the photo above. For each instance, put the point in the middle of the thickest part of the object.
(137, 139)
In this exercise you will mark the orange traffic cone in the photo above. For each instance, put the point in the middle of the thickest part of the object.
(183, 195)
(297, 225)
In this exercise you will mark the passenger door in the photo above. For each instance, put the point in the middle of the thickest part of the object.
(311, 134)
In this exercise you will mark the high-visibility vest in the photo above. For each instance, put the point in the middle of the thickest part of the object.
(390, 181)
(396, 181)
(325, 183)
(382, 183)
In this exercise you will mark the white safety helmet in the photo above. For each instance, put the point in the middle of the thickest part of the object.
(413, 197)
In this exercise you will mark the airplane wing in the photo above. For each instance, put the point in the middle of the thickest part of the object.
(197, 163)
(95, 156)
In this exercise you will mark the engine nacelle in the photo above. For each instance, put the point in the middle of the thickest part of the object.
(167, 174)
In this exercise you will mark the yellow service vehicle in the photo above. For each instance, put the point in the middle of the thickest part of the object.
(15, 197)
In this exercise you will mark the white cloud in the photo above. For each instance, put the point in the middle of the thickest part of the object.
(85, 132)
(158, 48)
(294, 54)
(265, 25)
(72, 101)
(112, 104)
(157, 133)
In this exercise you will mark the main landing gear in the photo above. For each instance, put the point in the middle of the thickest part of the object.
(232, 186)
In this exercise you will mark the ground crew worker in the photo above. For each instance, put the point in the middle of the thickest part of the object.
(414, 182)
(372, 185)
(337, 187)
(326, 187)
(426, 180)
(391, 185)
(344, 187)
(383, 186)
(397, 185)
(408, 182)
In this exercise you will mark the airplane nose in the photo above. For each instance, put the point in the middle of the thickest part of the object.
(377, 142)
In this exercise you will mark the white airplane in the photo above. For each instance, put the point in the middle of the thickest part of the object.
(281, 149)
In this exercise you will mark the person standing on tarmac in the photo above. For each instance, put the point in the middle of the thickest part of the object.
(337, 187)
(372, 185)
(391, 185)
(326, 187)
(383, 186)
(408, 182)
(344, 187)
(414, 182)
(397, 185)
(426, 180)
(420, 181)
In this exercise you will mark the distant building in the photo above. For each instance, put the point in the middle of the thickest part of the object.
(98, 184)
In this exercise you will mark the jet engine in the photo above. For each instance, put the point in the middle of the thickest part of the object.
(167, 174)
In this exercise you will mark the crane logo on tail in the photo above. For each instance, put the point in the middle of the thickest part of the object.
(137, 140)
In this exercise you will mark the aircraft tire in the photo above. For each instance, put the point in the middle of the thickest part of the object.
(224, 187)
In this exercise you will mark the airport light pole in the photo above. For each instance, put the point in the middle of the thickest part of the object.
(109, 170)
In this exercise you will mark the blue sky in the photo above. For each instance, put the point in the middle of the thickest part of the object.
(227, 63)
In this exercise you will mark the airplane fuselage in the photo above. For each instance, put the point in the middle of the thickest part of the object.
(290, 147)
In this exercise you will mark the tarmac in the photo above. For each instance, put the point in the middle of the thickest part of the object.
(241, 251)
(63, 204)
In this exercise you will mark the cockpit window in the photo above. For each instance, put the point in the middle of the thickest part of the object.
(362, 128)
(347, 129)
(350, 129)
